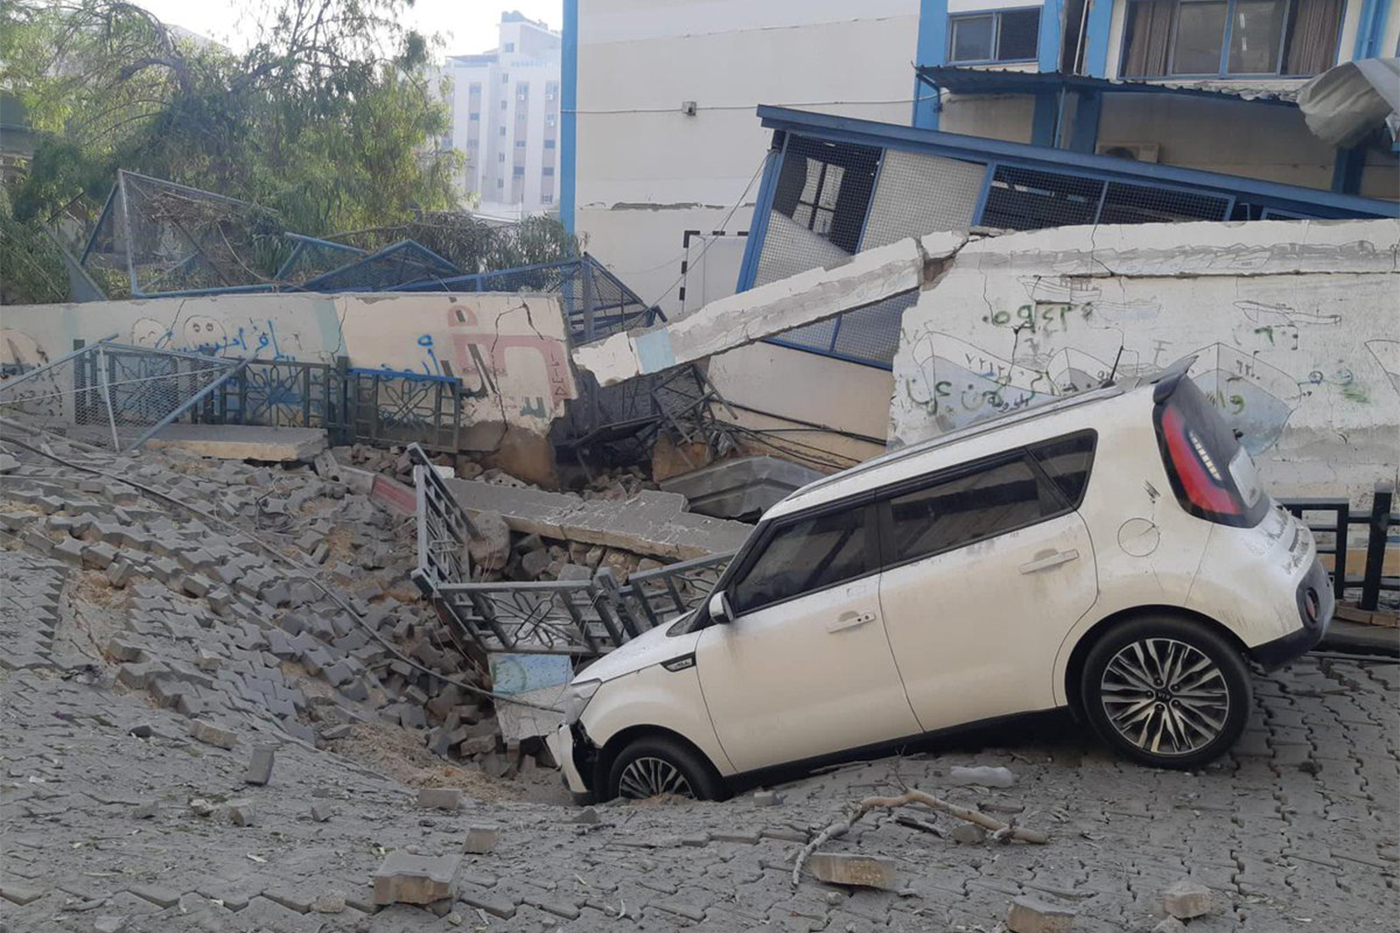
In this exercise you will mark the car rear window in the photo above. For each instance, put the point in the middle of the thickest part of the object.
(986, 502)
(1067, 461)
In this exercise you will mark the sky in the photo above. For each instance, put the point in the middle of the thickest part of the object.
(468, 26)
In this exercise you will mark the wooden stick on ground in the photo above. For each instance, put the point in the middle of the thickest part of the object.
(997, 828)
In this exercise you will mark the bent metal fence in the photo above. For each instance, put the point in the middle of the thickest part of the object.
(112, 394)
(577, 617)
(370, 406)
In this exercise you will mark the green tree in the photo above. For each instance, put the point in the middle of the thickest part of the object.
(326, 119)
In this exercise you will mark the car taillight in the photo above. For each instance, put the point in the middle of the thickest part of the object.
(1205, 484)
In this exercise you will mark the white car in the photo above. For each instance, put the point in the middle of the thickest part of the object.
(1111, 552)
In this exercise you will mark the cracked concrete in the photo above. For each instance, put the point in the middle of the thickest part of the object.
(807, 298)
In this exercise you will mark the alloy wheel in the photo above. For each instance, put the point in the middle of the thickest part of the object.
(1165, 696)
(651, 777)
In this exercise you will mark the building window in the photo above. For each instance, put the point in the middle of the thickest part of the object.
(549, 144)
(505, 78)
(999, 36)
(509, 47)
(546, 199)
(474, 116)
(1231, 37)
(500, 182)
(517, 170)
(520, 144)
(548, 171)
(549, 119)
(504, 103)
(503, 131)
(500, 157)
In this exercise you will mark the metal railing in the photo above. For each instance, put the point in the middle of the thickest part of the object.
(578, 617)
(369, 406)
(1335, 540)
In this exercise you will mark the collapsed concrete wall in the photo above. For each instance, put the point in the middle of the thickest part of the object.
(509, 352)
(807, 298)
(1296, 325)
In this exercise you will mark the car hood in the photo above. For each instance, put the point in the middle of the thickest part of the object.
(651, 647)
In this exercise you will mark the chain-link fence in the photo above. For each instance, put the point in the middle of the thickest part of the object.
(111, 394)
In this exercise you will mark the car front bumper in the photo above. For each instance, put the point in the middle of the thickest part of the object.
(571, 753)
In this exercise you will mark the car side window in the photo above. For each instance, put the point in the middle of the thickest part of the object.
(1067, 461)
(806, 555)
(967, 508)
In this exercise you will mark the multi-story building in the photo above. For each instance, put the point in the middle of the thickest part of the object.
(506, 120)
(665, 156)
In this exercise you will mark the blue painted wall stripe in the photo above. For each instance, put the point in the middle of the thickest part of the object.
(1043, 120)
(1096, 38)
(1086, 122)
(758, 226)
(568, 104)
(932, 49)
(1370, 30)
(1052, 27)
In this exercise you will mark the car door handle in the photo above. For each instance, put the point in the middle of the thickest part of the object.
(849, 620)
(1054, 560)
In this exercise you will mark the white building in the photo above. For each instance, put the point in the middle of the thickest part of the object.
(505, 120)
(662, 150)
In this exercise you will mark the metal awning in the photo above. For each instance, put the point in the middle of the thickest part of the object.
(1343, 104)
(964, 80)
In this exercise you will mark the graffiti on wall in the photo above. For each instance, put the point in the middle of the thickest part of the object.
(1068, 335)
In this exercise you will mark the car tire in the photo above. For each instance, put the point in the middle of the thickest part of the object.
(653, 765)
(1166, 691)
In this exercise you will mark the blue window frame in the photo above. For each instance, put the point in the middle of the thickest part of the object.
(1010, 35)
(1230, 38)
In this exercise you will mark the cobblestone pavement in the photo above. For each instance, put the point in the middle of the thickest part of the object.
(1297, 830)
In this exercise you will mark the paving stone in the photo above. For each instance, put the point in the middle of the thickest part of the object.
(440, 798)
(849, 868)
(481, 839)
(19, 893)
(1186, 899)
(493, 904)
(415, 879)
(161, 897)
(210, 734)
(260, 766)
(1029, 915)
(109, 924)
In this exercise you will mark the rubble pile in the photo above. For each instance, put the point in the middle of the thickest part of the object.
(501, 554)
(221, 631)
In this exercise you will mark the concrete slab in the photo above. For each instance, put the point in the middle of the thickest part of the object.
(807, 298)
(651, 523)
(241, 442)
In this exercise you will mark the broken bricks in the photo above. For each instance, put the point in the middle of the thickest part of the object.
(481, 839)
(1186, 899)
(210, 734)
(866, 871)
(260, 767)
(415, 879)
(1029, 915)
(440, 798)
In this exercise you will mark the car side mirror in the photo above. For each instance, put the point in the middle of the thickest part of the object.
(720, 609)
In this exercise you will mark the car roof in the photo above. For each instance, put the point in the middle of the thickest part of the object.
(892, 466)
